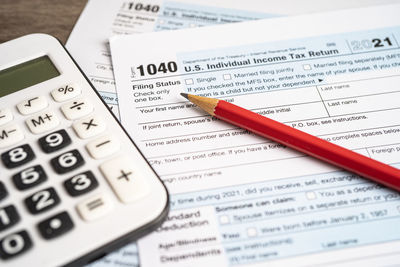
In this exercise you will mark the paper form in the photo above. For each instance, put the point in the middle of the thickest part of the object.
(101, 19)
(237, 199)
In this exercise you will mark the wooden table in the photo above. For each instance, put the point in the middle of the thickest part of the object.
(55, 17)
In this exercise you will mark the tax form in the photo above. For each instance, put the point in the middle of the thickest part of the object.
(238, 199)
(101, 19)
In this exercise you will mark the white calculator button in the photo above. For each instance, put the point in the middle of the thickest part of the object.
(126, 181)
(103, 146)
(89, 126)
(5, 116)
(65, 92)
(42, 122)
(10, 135)
(95, 207)
(32, 105)
(77, 109)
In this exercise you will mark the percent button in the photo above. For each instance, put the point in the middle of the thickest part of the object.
(65, 92)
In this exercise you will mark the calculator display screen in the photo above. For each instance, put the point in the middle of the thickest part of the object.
(26, 74)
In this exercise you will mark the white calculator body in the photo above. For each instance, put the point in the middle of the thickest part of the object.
(73, 186)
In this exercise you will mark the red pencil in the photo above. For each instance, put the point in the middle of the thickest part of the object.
(301, 141)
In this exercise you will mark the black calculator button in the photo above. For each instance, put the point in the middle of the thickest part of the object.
(81, 183)
(42, 201)
(3, 191)
(29, 177)
(8, 217)
(54, 141)
(55, 226)
(67, 161)
(17, 156)
(15, 244)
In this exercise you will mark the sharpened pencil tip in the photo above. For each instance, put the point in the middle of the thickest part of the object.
(185, 95)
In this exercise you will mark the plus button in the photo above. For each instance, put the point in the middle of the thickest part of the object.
(124, 175)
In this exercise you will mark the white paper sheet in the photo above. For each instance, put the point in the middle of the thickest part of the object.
(101, 19)
(238, 199)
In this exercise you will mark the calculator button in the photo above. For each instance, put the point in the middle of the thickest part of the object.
(5, 116)
(77, 109)
(81, 183)
(15, 244)
(56, 225)
(3, 191)
(89, 127)
(65, 92)
(17, 156)
(127, 183)
(32, 105)
(42, 201)
(67, 161)
(8, 217)
(95, 207)
(29, 177)
(103, 146)
(54, 141)
(10, 135)
(42, 122)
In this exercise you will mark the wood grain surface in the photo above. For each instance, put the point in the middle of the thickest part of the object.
(55, 17)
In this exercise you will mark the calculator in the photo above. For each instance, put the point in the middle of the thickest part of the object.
(73, 185)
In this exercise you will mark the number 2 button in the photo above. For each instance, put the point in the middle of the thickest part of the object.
(42, 201)
(67, 162)
(54, 141)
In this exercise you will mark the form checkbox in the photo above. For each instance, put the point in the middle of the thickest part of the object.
(311, 195)
(307, 67)
(192, 25)
(227, 77)
(189, 81)
(252, 232)
(161, 21)
(398, 208)
(224, 219)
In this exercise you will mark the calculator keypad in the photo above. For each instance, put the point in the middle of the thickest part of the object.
(54, 141)
(41, 117)
(8, 217)
(67, 161)
(42, 201)
(55, 226)
(15, 244)
(81, 183)
(17, 156)
(29, 177)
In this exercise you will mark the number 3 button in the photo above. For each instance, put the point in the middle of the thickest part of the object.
(81, 183)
